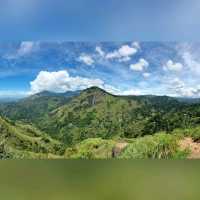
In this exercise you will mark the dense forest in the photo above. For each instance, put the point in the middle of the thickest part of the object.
(96, 124)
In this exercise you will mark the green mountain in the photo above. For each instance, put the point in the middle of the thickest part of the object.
(96, 113)
(36, 107)
(90, 123)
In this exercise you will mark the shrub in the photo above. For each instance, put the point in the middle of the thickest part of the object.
(158, 146)
(93, 148)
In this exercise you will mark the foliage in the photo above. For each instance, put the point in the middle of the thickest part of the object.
(51, 122)
(159, 146)
(193, 132)
(96, 113)
(32, 109)
(18, 140)
(92, 148)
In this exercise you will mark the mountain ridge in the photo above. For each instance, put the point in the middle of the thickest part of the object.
(78, 119)
(93, 112)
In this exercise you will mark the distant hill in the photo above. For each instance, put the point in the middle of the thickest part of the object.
(35, 107)
(53, 94)
(189, 100)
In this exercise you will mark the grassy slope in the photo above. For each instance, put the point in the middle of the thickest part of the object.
(24, 141)
(158, 146)
(18, 140)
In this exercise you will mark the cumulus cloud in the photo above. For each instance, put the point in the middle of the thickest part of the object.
(136, 45)
(123, 54)
(179, 88)
(61, 81)
(191, 63)
(172, 66)
(126, 51)
(140, 65)
(86, 59)
(99, 50)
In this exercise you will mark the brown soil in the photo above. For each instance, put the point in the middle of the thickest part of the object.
(118, 148)
(194, 147)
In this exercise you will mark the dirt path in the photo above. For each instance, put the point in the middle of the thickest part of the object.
(194, 147)
(118, 148)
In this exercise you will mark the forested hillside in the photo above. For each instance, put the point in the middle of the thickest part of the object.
(96, 113)
(92, 122)
(36, 107)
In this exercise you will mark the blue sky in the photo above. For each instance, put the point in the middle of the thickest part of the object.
(100, 20)
(125, 68)
(143, 67)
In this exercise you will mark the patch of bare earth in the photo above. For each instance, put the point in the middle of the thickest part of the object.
(194, 147)
(119, 147)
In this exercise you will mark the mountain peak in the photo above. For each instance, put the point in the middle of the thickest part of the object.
(95, 89)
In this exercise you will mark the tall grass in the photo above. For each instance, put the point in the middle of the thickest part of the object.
(158, 146)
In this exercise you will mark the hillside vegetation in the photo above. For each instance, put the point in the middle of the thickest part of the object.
(96, 113)
(92, 123)
(18, 140)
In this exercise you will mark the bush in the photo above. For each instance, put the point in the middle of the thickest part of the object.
(158, 146)
(194, 133)
(93, 148)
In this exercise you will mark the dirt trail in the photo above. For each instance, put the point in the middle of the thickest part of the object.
(194, 147)
(118, 148)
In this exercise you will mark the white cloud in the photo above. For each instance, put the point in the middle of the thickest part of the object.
(172, 66)
(25, 48)
(191, 63)
(112, 55)
(136, 45)
(61, 81)
(140, 65)
(146, 75)
(113, 90)
(100, 51)
(87, 59)
(176, 84)
(124, 59)
(123, 54)
(189, 92)
(179, 88)
(126, 51)
(130, 92)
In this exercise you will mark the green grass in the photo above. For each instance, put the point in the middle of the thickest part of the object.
(18, 140)
(193, 132)
(158, 146)
(94, 148)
